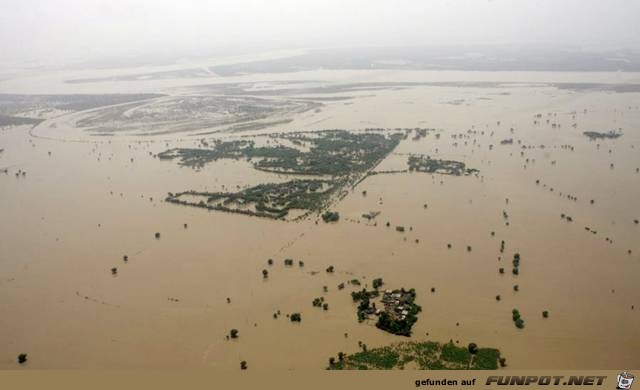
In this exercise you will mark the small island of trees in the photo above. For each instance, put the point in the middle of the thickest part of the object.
(398, 312)
(330, 216)
(427, 355)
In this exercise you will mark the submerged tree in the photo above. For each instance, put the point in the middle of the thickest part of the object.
(517, 319)
(330, 216)
(515, 314)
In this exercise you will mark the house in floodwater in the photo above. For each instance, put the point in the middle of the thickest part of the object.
(396, 303)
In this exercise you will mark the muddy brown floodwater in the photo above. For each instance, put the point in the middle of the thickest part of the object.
(80, 208)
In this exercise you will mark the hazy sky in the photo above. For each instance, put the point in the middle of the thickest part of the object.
(73, 30)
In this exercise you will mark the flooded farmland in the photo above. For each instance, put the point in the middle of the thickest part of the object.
(99, 270)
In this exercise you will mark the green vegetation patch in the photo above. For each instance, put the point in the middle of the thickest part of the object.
(486, 359)
(426, 355)
(384, 358)
(329, 152)
(454, 354)
(198, 157)
(446, 167)
(264, 200)
(345, 156)
(333, 152)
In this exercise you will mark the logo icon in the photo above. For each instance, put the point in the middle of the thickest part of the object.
(624, 381)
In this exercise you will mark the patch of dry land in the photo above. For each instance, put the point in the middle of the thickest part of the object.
(340, 219)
